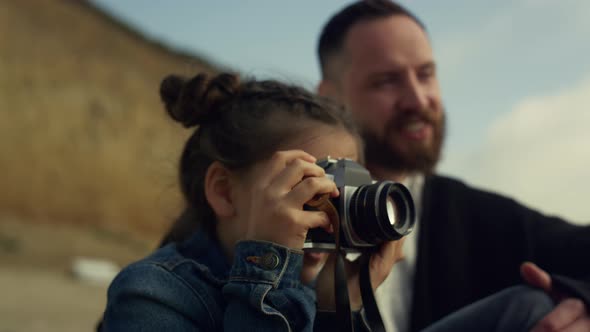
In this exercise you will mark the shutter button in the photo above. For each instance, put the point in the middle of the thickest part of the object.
(268, 261)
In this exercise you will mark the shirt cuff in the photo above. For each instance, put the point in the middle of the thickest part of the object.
(266, 263)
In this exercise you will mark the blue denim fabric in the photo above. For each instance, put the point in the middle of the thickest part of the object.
(191, 287)
(517, 308)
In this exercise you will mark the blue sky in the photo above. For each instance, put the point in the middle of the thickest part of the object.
(515, 77)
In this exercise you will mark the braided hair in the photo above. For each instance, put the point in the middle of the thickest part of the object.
(238, 124)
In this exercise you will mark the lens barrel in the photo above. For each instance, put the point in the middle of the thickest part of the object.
(382, 211)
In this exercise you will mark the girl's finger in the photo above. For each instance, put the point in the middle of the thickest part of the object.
(279, 161)
(294, 173)
(309, 187)
(315, 219)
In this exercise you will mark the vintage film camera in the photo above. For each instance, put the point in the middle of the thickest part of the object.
(371, 212)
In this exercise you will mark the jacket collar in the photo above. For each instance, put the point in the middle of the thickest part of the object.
(205, 249)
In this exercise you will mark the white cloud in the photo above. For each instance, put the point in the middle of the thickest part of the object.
(538, 153)
(538, 150)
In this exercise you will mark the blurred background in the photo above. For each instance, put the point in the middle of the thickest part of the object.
(88, 157)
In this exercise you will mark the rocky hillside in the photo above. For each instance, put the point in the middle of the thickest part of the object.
(83, 135)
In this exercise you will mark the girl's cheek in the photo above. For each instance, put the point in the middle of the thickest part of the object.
(312, 266)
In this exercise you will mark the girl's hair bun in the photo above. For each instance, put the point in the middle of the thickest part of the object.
(200, 99)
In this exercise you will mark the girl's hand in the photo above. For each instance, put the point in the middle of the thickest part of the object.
(278, 190)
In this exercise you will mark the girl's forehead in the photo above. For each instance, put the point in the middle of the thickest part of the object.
(324, 141)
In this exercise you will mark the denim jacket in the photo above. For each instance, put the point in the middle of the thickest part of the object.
(191, 287)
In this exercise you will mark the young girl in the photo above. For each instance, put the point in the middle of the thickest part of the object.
(246, 173)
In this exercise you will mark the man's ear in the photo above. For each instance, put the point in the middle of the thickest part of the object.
(218, 187)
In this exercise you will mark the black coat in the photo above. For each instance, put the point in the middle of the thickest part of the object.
(471, 244)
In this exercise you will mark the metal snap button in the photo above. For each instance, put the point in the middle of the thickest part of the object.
(269, 261)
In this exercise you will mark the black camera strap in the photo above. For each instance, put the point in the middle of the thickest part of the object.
(343, 312)
(371, 310)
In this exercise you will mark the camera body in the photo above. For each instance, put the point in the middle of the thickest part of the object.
(371, 212)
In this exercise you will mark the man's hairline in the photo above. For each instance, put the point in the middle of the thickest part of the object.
(340, 53)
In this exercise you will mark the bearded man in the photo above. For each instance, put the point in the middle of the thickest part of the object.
(376, 59)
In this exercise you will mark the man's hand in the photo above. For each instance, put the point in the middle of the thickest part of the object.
(380, 265)
(570, 315)
(383, 260)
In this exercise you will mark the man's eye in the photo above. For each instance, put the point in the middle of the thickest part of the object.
(386, 81)
(426, 73)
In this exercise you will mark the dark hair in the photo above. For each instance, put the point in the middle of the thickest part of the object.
(239, 124)
(334, 32)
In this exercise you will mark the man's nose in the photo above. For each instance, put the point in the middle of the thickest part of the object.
(415, 95)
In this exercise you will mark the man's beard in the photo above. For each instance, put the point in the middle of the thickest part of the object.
(380, 152)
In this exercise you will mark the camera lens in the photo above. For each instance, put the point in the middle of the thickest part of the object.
(391, 210)
(382, 211)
